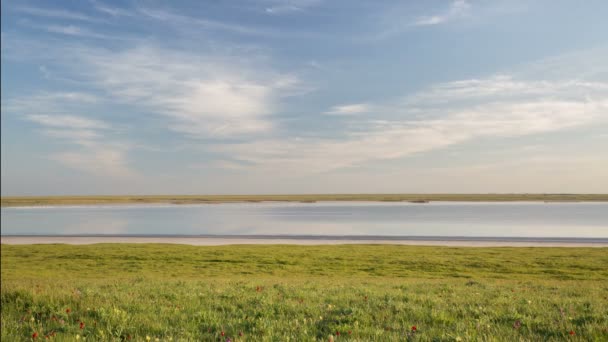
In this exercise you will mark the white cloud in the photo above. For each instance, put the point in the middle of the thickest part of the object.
(433, 20)
(350, 109)
(458, 8)
(486, 108)
(203, 95)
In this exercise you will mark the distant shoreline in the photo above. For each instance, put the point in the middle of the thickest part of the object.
(218, 240)
(15, 201)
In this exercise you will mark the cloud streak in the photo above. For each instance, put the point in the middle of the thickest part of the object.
(110, 10)
(67, 121)
(289, 6)
(72, 30)
(458, 8)
(350, 109)
(184, 22)
(55, 14)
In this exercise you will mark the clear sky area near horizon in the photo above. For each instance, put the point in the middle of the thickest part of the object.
(304, 96)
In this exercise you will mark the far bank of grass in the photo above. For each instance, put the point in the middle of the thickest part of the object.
(13, 201)
(115, 292)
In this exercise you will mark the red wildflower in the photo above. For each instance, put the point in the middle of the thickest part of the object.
(337, 333)
(68, 310)
(223, 333)
(414, 329)
(81, 325)
(571, 332)
(517, 324)
(35, 335)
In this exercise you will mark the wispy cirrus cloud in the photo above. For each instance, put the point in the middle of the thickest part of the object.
(399, 19)
(203, 95)
(88, 151)
(111, 10)
(49, 102)
(457, 9)
(50, 112)
(55, 13)
(76, 31)
(277, 7)
(67, 121)
(498, 106)
(85, 138)
(187, 22)
(505, 87)
(102, 161)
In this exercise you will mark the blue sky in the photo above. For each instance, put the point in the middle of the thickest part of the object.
(304, 96)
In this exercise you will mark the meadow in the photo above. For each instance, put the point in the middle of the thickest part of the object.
(13, 201)
(163, 292)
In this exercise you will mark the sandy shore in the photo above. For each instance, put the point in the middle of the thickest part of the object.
(211, 241)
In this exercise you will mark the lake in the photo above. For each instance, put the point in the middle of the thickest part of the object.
(390, 219)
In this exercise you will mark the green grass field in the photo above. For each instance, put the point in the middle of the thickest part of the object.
(115, 292)
(190, 199)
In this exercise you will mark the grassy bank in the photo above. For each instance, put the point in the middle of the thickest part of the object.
(303, 293)
(190, 199)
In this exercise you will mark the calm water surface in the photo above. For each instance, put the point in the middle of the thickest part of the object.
(521, 219)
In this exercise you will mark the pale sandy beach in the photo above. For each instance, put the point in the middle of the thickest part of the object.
(211, 241)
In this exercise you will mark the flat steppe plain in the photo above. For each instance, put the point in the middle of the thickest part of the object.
(193, 199)
(171, 292)
(306, 241)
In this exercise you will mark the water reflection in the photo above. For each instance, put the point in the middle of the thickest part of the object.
(324, 218)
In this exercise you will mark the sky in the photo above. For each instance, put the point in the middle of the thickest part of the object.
(304, 96)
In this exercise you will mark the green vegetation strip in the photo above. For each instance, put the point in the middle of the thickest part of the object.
(190, 199)
(115, 292)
